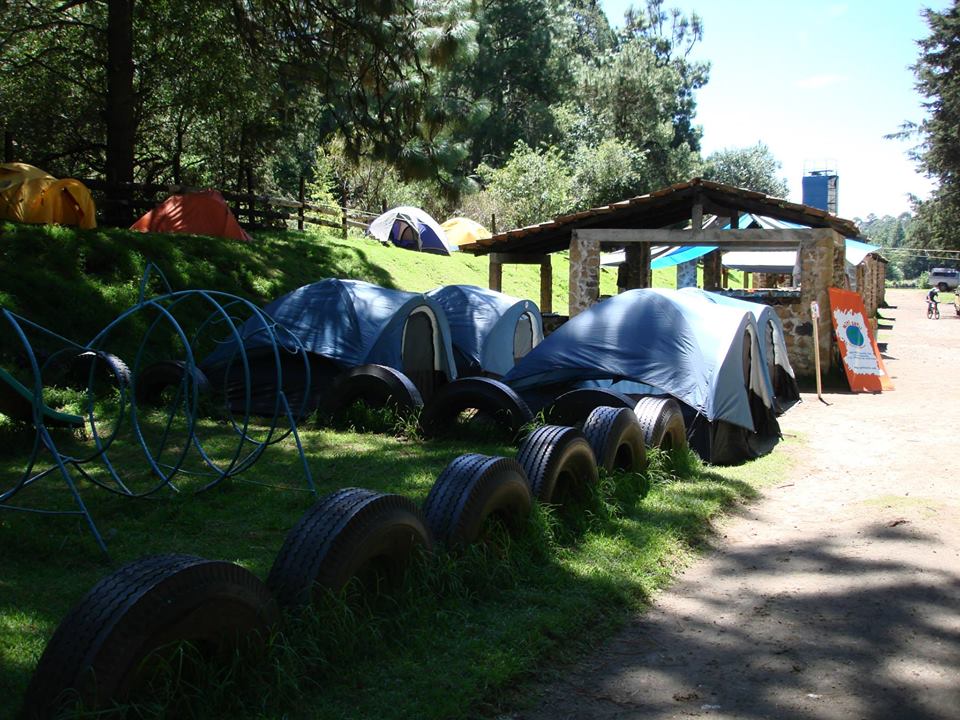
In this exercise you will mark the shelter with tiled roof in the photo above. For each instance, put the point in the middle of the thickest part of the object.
(675, 216)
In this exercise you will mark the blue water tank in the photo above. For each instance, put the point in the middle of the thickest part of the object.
(820, 191)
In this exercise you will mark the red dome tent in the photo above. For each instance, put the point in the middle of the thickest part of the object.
(199, 213)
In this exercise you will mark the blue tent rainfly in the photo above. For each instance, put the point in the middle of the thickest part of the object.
(491, 331)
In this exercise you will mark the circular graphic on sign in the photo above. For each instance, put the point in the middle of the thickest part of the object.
(855, 335)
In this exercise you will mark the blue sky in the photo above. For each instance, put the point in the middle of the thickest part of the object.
(820, 82)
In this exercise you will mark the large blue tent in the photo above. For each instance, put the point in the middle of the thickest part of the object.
(350, 323)
(490, 330)
(777, 367)
(707, 356)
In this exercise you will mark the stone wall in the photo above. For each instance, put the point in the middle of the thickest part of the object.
(821, 267)
(584, 273)
(871, 279)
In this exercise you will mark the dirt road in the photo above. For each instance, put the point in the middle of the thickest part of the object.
(838, 594)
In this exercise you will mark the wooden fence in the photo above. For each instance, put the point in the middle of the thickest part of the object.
(253, 211)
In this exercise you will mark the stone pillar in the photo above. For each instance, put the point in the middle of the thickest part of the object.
(687, 274)
(584, 273)
(821, 267)
(712, 270)
(636, 266)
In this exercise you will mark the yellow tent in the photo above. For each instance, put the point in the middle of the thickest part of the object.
(29, 195)
(461, 230)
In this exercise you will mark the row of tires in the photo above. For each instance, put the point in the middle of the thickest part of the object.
(99, 653)
(380, 386)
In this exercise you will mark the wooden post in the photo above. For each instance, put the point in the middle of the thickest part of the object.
(344, 207)
(746, 280)
(495, 277)
(8, 146)
(546, 285)
(302, 197)
(815, 315)
(251, 211)
(383, 205)
(493, 223)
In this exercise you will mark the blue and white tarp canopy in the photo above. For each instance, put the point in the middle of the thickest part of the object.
(671, 343)
(490, 330)
(350, 322)
(411, 228)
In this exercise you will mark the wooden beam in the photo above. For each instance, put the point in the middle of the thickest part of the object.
(518, 258)
(546, 286)
(696, 216)
(710, 236)
(496, 275)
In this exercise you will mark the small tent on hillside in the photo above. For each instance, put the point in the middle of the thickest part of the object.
(349, 323)
(461, 230)
(199, 213)
(654, 342)
(783, 381)
(413, 229)
(490, 330)
(30, 195)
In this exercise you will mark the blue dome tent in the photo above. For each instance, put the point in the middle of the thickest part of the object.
(783, 380)
(345, 323)
(490, 330)
(413, 229)
(657, 342)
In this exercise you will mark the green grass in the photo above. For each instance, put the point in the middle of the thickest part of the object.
(464, 629)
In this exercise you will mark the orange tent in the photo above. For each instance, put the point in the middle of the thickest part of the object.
(199, 213)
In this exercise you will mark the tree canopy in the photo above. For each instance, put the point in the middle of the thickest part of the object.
(754, 168)
(359, 97)
(937, 74)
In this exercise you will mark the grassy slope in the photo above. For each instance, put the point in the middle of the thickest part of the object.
(472, 627)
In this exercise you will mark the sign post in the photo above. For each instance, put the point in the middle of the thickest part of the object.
(815, 314)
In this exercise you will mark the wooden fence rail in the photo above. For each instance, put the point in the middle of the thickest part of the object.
(253, 211)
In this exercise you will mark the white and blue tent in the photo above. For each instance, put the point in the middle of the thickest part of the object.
(349, 323)
(411, 228)
(490, 330)
(773, 345)
(662, 342)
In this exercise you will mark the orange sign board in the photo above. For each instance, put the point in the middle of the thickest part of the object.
(858, 347)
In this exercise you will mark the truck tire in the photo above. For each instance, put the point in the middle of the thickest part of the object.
(616, 439)
(350, 533)
(471, 490)
(559, 462)
(97, 653)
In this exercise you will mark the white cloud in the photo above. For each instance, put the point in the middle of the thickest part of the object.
(837, 10)
(816, 82)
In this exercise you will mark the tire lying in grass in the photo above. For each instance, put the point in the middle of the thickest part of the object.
(375, 386)
(490, 397)
(662, 423)
(351, 533)
(573, 407)
(472, 490)
(155, 378)
(559, 462)
(98, 653)
(85, 363)
(616, 438)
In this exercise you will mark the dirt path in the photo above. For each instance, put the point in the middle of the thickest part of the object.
(837, 595)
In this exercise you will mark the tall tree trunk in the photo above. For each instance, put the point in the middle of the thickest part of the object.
(121, 115)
